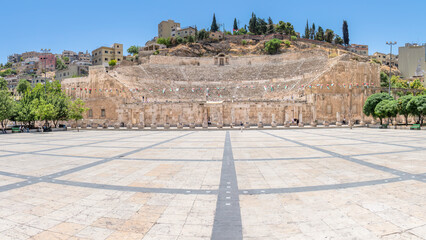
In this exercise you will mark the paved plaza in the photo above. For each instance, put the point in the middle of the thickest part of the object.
(257, 184)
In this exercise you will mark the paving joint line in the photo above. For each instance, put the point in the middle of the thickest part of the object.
(351, 159)
(227, 220)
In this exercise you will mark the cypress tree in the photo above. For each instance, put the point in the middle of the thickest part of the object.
(270, 26)
(235, 24)
(345, 33)
(307, 31)
(214, 27)
(313, 31)
(253, 24)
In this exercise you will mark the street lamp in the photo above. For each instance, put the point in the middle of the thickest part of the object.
(45, 52)
(390, 64)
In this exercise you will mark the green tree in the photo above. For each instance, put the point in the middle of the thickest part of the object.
(320, 34)
(384, 79)
(345, 33)
(329, 35)
(77, 110)
(271, 28)
(262, 26)
(286, 28)
(23, 86)
(191, 39)
(338, 40)
(6, 107)
(43, 110)
(112, 63)
(417, 107)
(3, 84)
(403, 106)
(133, 50)
(371, 103)
(59, 64)
(313, 31)
(272, 46)
(202, 34)
(307, 30)
(214, 27)
(253, 24)
(8, 65)
(235, 27)
(386, 109)
(417, 84)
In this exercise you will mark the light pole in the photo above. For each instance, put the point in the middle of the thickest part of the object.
(390, 64)
(45, 52)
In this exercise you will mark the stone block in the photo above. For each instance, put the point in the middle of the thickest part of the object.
(313, 124)
(129, 126)
(274, 124)
(180, 125)
(260, 124)
(192, 125)
(220, 125)
(205, 125)
(338, 124)
(247, 125)
(153, 126)
(301, 125)
(166, 126)
(287, 124)
(141, 126)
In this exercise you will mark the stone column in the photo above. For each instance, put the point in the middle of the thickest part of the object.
(259, 120)
(142, 119)
(153, 118)
(301, 118)
(338, 123)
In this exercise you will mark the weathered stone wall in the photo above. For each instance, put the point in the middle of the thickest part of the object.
(307, 86)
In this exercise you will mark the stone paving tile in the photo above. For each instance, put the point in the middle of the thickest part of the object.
(290, 173)
(44, 209)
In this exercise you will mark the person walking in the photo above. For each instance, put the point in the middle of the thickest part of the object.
(241, 126)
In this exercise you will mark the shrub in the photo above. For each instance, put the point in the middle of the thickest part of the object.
(287, 43)
(112, 63)
(156, 52)
(272, 46)
(293, 38)
(244, 42)
(191, 39)
(179, 40)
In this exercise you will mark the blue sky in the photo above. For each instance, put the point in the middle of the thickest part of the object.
(81, 25)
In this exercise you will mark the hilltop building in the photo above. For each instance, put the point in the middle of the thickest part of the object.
(412, 61)
(14, 58)
(165, 28)
(47, 62)
(184, 32)
(385, 58)
(359, 49)
(102, 55)
(31, 54)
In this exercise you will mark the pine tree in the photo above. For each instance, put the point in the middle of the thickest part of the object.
(307, 31)
(253, 24)
(320, 34)
(345, 33)
(270, 26)
(214, 27)
(313, 31)
(235, 24)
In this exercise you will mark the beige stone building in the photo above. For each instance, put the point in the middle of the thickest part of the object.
(184, 32)
(385, 59)
(31, 54)
(412, 61)
(73, 70)
(256, 90)
(102, 55)
(216, 35)
(165, 28)
(359, 49)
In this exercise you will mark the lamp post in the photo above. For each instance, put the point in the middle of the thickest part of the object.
(45, 52)
(390, 64)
